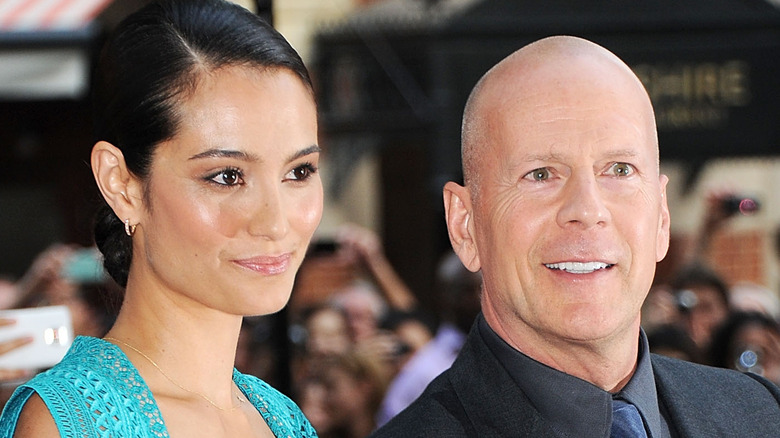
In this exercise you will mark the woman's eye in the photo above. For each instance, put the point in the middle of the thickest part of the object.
(227, 177)
(622, 169)
(539, 174)
(302, 172)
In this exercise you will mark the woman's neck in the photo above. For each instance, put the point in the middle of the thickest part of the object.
(176, 339)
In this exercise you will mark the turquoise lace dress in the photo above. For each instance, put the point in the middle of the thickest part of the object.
(96, 392)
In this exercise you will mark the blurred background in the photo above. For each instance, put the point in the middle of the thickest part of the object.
(391, 78)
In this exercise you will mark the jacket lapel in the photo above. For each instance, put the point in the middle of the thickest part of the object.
(493, 403)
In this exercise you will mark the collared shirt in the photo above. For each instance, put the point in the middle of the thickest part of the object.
(575, 407)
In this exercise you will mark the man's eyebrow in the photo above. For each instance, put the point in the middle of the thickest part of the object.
(225, 153)
(541, 157)
(612, 154)
(622, 153)
(305, 151)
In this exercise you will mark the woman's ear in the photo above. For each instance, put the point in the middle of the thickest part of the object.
(120, 188)
(458, 211)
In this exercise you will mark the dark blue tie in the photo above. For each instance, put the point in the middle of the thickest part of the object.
(626, 421)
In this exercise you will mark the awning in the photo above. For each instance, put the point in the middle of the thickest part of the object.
(48, 15)
(45, 47)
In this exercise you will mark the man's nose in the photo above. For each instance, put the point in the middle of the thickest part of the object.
(582, 202)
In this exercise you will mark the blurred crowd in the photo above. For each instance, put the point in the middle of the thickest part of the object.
(700, 317)
(361, 348)
(365, 348)
(61, 275)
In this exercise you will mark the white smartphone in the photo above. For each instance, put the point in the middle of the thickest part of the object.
(52, 332)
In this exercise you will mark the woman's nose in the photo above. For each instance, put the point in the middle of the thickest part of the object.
(269, 218)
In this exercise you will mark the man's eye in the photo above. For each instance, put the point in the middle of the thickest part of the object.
(622, 169)
(539, 174)
(302, 172)
(227, 177)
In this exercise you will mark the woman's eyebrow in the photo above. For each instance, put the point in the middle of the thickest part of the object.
(225, 153)
(305, 151)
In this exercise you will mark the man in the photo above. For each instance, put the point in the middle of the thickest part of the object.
(564, 212)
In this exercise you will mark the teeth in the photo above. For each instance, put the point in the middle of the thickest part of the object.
(578, 267)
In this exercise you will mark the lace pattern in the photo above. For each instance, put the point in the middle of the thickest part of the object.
(97, 392)
(282, 415)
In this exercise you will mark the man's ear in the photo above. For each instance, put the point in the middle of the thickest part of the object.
(120, 188)
(664, 223)
(460, 226)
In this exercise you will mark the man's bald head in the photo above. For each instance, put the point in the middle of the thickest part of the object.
(550, 68)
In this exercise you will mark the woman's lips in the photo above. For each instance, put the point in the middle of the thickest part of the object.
(267, 265)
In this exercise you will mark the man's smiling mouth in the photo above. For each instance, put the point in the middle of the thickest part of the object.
(579, 267)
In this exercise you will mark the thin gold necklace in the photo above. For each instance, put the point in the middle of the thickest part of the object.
(238, 397)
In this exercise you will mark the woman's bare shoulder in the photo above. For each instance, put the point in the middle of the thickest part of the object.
(35, 420)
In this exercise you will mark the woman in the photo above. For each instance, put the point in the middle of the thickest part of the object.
(354, 384)
(208, 161)
(748, 342)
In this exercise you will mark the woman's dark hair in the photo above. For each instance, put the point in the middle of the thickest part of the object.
(721, 352)
(700, 274)
(153, 62)
(673, 340)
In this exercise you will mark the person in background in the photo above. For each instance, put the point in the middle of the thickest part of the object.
(563, 210)
(327, 332)
(206, 157)
(320, 332)
(703, 298)
(414, 329)
(364, 248)
(721, 206)
(746, 296)
(673, 341)
(43, 281)
(660, 308)
(368, 299)
(364, 308)
(312, 396)
(256, 352)
(354, 384)
(11, 376)
(748, 342)
(61, 275)
(459, 291)
(11, 345)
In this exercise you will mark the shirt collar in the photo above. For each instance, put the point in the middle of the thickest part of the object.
(572, 406)
(640, 391)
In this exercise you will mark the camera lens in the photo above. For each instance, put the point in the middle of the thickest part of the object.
(747, 360)
(687, 299)
(740, 204)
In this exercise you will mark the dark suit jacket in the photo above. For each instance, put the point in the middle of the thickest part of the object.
(476, 397)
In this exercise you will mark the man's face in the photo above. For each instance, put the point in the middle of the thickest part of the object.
(569, 214)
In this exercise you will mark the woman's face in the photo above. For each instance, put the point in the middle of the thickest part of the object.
(327, 333)
(234, 198)
(347, 395)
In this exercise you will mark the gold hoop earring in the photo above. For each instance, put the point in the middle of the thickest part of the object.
(129, 229)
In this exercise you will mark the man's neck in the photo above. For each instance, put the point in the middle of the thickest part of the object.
(606, 363)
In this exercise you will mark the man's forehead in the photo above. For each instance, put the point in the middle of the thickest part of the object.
(530, 92)
(566, 153)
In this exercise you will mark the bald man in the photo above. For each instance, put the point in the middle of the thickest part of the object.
(563, 210)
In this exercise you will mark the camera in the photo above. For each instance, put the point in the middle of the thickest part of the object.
(323, 248)
(740, 204)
